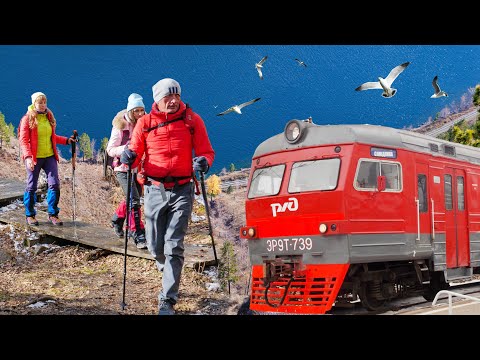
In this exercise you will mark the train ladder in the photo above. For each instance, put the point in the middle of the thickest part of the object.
(422, 272)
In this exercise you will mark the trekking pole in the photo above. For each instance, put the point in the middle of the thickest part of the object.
(127, 201)
(202, 182)
(74, 158)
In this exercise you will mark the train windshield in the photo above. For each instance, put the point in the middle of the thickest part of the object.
(266, 181)
(314, 175)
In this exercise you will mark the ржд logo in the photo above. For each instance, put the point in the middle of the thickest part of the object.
(291, 205)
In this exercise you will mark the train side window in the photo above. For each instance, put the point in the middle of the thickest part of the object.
(367, 174)
(422, 192)
(266, 181)
(369, 170)
(460, 193)
(392, 173)
(447, 185)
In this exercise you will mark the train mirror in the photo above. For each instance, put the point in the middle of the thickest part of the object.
(381, 183)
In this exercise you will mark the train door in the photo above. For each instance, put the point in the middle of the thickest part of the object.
(456, 233)
(423, 204)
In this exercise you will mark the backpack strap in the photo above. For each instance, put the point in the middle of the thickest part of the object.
(190, 127)
(147, 130)
(150, 128)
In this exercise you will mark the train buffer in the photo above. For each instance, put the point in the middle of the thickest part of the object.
(102, 237)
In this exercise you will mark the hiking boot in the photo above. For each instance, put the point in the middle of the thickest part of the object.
(141, 245)
(55, 220)
(165, 308)
(118, 229)
(139, 239)
(31, 220)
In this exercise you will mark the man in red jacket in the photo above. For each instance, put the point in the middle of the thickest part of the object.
(166, 139)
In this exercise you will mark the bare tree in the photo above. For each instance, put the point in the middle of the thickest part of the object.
(94, 152)
(444, 112)
(464, 102)
(454, 107)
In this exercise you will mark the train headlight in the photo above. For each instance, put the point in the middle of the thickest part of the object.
(248, 232)
(323, 228)
(293, 131)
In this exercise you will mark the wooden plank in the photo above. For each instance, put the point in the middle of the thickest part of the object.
(101, 237)
(11, 190)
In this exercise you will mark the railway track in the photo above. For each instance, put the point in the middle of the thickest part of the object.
(444, 128)
(234, 183)
(402, 305)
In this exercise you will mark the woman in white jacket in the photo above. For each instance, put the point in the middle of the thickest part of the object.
(122, 128)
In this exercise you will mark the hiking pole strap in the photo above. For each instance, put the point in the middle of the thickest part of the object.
(195, 181)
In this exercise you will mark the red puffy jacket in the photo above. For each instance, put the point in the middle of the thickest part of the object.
(29, 138)
(168, 149)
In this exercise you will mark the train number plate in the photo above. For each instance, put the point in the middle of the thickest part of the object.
(289, 244)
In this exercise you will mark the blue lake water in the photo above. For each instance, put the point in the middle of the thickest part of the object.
(87, 85)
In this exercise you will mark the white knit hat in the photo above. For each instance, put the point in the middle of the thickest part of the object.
(36, 95)
(165, 87)
(134, 101)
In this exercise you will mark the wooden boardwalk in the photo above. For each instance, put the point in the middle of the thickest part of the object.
(10, 190)
(101, 237)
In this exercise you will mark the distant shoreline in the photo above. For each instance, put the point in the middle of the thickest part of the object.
(429, 126)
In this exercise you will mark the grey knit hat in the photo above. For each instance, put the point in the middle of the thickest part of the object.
(165, 87)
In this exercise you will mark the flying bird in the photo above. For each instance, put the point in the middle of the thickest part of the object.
(438, 92)
(259, 66)
(301, 63)
(238, 108)
(385, 84)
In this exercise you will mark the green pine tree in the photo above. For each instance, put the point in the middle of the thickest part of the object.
(103, 144)
(228, 268)
(476, 96)
(85, 147)
(6, 131)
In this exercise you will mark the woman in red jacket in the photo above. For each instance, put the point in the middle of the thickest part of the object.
(39, 151)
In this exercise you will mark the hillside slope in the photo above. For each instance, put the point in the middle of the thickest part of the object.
(76, 280)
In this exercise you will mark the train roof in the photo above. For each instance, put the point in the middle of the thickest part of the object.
(318, 135)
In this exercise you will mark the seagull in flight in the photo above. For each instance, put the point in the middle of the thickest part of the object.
(301, 63)
(259, 66)
(385, 84)
(238, 108)
(438, 92)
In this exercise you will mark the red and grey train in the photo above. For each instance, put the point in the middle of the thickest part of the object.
(337, 213)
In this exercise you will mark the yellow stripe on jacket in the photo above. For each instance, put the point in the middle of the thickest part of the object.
(44, 147)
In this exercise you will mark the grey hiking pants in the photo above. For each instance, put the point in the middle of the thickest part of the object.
(167, 212)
